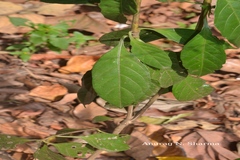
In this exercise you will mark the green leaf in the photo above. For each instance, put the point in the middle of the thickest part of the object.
(227, 20)
(61, 43)
(86, 93)
(171, 75)
(37, 38)
(16, 47)
(98, 119)
(25, 56)
(179, 35)
(73, 149)
(44, 153)
(10, 142)
(16, 21)
(191, 88)
(113, 38)
(150, 54)
(108, 142)
(113, 9)
(203, 54)
(119, 77)
(129, 7)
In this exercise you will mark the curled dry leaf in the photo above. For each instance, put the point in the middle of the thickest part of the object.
(52, 93)
(209, 145)
(189, 124)
(80, 64)
(164, 146)
(232, 65)
(138, 146)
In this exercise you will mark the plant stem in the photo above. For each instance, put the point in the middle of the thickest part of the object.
(135, 21)
(148, 104)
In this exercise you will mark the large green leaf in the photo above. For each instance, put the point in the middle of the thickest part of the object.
(108, 142)
(73, 149)
(191, 88)
(115, 9)
(44, 153)
(227, 19)
(203, 54)
(10, 142)
(150, 54)
(119, 77)
(179, 35)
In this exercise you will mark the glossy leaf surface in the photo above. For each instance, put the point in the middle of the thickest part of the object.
(150, 54)
(203, 54)
(227, 19)
(120, 78)
(191, 88)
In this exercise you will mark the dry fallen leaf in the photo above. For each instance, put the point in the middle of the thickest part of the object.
(232, 65)
(82, 22)
(9, 8)
(89, 112)
(137, 149)
(7, 27)
(52, 93)
(209, 145)
(54, 9)
(80, 64)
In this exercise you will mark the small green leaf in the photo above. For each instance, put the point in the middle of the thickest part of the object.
(150, 54)
(10, 142)
(98, 119)
(16, 47)
(86, 93)
(179, 35)
(191, 88)
(112, 9)
(119, 77)
(25, 56)
(203, 54)
(17, 21)
(73, 149)
(113, 38)
(44, 153)
(108, 142)
(227, 20)
(171, 75)
(37, 38)
(61, 43)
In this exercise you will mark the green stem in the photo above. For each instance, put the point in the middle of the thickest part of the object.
(135, 21)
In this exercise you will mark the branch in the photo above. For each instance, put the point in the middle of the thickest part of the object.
(135, 21)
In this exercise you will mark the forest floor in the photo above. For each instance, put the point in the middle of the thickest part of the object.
(39, 97)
